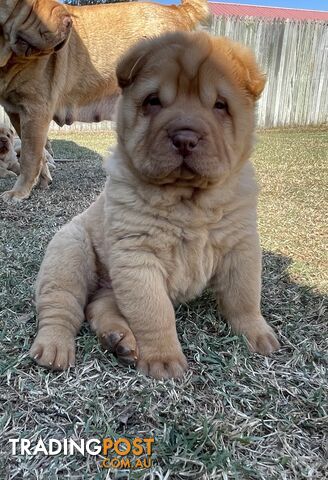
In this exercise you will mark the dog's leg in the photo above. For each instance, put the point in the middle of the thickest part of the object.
(66, 277)
(33, 135)
(49, 149)
(111, 327)
(49, 153)
(45, 176)
(142, 298)
(238, 286)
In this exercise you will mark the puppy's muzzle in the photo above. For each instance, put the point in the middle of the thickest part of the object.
(184, 141)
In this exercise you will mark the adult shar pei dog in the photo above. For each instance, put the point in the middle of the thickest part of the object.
(58, 62)
(178, 212)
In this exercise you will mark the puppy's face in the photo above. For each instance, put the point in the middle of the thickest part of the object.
(187, 109)
(6, 140)
(32, 27)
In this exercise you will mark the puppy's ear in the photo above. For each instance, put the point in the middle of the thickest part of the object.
(248, 70)
(132, 62)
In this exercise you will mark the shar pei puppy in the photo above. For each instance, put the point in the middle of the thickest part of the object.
(58, 63)
(178, 212)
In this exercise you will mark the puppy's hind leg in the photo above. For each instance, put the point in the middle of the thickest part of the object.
(66, 277)
(111, 327)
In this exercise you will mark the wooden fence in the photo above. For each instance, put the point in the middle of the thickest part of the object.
(294, 55)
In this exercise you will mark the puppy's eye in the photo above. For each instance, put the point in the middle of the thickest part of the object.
(220, 105)
(151, 104)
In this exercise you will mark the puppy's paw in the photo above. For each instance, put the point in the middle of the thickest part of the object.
(171, 364)
(54, 348)
(8, 173)
(121, 342)
(262, 339)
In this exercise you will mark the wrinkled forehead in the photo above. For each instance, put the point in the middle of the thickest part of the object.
(26, 12)
(4, 131)
(176, 72)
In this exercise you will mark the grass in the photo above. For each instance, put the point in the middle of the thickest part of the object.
(234, 415)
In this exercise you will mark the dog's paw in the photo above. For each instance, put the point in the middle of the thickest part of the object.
(50, 159)
(159, 365)
(262, 339)
(15, 196)
(54, 348)
(121, 342)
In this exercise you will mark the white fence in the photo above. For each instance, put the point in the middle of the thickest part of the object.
(294, 55)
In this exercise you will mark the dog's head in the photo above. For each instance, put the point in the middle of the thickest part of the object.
(6, 140)
(187, 107)
(32, 27)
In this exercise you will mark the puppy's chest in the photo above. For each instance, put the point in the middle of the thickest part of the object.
(190, 263)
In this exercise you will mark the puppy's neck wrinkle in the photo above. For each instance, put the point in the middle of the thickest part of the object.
(13, 12)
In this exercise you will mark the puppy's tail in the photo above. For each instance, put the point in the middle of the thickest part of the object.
(197, 10)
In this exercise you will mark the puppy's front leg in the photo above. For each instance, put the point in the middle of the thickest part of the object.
(33, 130)
(66, 277)
(4, 172)
(142, 298)
(238, 287)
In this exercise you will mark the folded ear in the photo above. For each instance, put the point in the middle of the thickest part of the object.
(132, 62)
(5, 51)
(61, 44)
(248, 70)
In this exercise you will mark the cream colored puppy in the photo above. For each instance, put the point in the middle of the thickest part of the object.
(9, 165)
(178, 212)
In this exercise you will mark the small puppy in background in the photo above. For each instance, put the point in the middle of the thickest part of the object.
(9, 165)
(178, 212)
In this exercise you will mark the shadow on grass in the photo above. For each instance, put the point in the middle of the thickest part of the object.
(67, 149)
(295, 311)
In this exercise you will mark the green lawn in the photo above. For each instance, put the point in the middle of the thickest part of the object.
(234, 415)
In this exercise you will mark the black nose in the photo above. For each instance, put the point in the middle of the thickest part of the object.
(3, 140)
(185, 141)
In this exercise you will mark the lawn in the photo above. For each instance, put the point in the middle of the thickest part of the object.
(234, 415)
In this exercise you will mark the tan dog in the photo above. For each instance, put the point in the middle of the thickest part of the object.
(178, 212)
(51, 70)
(9, 165)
